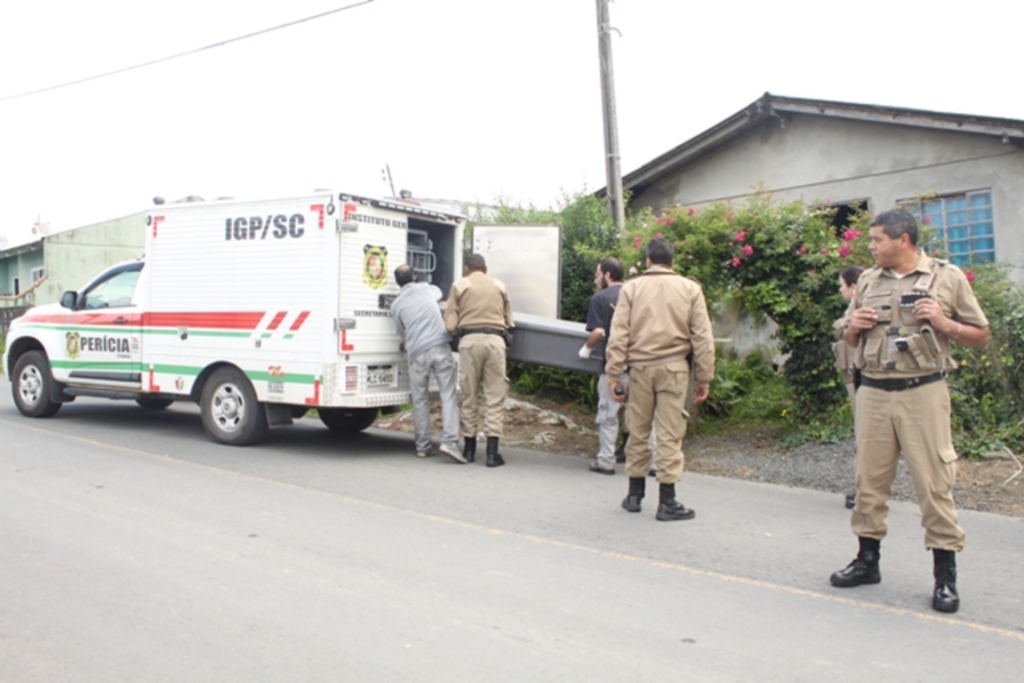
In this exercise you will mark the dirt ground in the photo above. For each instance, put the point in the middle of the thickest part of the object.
(987, 485)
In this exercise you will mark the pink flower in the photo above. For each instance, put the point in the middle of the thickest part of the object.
(801, 249)
(632, 271)
(845, 250)
(969, 274)
(741, 235)
(736, 263)
(657, 234)
(664, 220)
(927, 220)
(691, 211)
(824, 250)
(637, 242)
(851, 235)
(747, 250)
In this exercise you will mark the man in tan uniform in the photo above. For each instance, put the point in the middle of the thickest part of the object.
(480, 314)
(906, 312)
(660, 319)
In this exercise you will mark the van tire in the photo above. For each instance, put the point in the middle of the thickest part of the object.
(152, 403)
(31, 384)
(347, 420)
(231, 413)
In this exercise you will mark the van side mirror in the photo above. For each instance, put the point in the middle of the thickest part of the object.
(69, 300)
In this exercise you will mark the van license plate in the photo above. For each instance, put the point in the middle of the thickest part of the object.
(380, 376)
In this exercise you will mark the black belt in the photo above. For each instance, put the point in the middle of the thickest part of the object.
(482, 330)
(899, 384)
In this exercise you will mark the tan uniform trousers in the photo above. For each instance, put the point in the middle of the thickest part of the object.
(482, 362)
(916, 423)
(657, 398)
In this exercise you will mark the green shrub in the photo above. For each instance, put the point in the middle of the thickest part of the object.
(567, 388)
(987, 390)
(739, 383)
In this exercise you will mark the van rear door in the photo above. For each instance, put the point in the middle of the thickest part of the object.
(373, 244)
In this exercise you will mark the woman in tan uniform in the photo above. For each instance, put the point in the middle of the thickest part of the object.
(845, 353)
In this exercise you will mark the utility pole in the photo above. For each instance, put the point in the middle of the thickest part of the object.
(613, 170)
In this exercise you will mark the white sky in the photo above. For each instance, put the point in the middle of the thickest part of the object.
(464, 99)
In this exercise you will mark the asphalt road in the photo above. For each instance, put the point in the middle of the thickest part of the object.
(132, 548)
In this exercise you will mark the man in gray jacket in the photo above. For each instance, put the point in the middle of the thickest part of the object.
(418, 319)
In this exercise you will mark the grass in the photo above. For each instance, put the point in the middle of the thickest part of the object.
(765, 409)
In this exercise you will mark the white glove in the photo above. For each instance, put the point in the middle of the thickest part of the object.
(584, 352)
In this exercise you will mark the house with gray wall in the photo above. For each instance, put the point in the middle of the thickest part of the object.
(962, 174)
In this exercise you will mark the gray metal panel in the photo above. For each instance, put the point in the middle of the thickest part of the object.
(527, 258)
(552, 343)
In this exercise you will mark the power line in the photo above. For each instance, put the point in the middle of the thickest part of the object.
(183, 54)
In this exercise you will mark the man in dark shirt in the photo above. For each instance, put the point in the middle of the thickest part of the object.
(608, 281)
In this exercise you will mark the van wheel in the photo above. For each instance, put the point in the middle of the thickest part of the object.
(30, 386)
(347, 420)
(151, 403)
(231, 413)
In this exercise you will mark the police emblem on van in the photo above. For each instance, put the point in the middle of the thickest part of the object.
(72, 345)
(375, 266)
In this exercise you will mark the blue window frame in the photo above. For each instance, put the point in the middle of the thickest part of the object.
(961, 225)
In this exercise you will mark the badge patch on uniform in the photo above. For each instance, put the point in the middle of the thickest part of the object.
(924, 282)
(375, 266)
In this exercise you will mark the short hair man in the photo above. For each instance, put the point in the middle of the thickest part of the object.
(418, 319)
(608, 282)
(660, 319)
(480, 313)
(906, 311)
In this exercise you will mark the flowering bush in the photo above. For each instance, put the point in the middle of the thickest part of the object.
(778, 261)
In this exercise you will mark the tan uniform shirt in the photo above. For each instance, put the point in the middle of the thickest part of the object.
(661, 317)
(478, 300)
(844, 353)
(900, 345)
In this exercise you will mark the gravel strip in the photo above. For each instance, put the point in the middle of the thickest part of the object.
(821, 466)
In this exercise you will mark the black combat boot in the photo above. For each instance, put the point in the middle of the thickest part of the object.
(864, 568)
(636, 494)
(494, 458)
(945, 598)
(620, 452)
(469, 449)
(670, 509)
